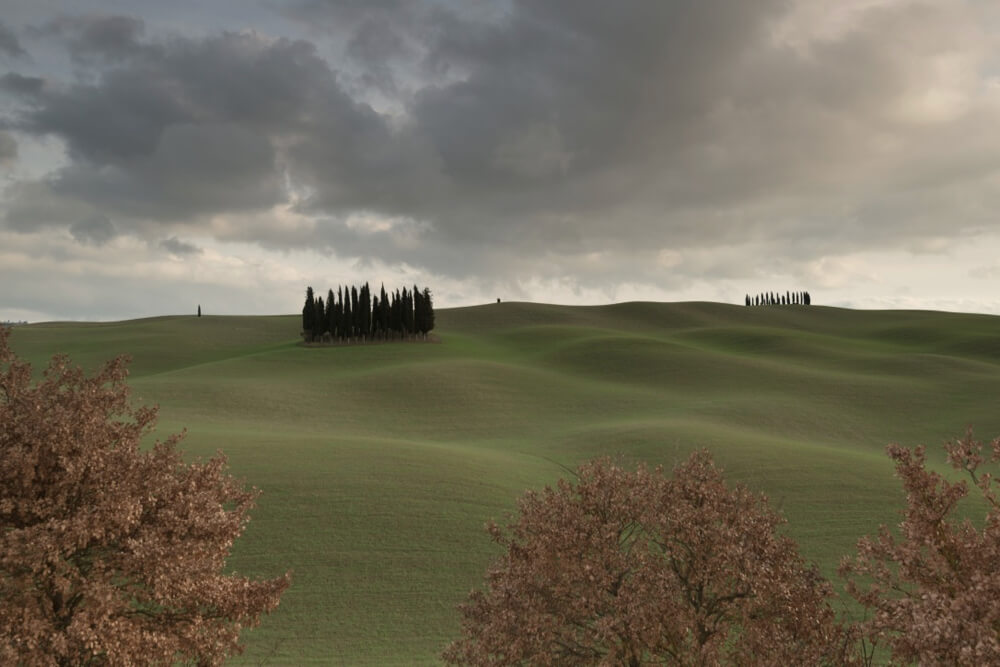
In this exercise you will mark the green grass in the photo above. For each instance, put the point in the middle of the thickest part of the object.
(380, 464)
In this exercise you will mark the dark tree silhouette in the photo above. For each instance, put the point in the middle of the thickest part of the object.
(427, 324)
(308, 315)
(354, 314)
(348, 317)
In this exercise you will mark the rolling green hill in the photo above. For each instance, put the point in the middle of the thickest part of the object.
(380, 463)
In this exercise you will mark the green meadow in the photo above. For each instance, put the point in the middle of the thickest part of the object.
(379, 464)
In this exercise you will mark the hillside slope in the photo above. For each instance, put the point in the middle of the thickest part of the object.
(380, 463)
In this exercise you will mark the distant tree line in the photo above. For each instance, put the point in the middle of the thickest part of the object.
(354, 314)
(779, 299)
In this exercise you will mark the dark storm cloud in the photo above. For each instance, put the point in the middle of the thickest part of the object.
(8, 148)
(95, 230)
(17, 84)
(555, 133)
(90, 36)
(33, 206)
(565, 111)
(180, 248)
(190, 127)
(578, 126)
(10, 45)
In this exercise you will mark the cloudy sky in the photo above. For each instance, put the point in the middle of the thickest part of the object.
(159, 155)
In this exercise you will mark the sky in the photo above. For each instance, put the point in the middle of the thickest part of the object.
(158, 156)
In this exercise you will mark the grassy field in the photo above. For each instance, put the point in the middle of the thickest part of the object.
(380, 464)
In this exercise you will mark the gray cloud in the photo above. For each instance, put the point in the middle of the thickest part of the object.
(17, 84)
(95, 230)
(545, 138)
(106, 37)
(33, 206)
(177, 247)
(186, 129)
(10, 45)
(8, 148)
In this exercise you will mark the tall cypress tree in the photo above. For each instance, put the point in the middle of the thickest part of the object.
(348, 316)
(331, 311)
(319, 319)
(355, 312)
(418, 310)
(408, 312)
(428, 324)
(397, 314)
(308, 314)
(366, 309)
(383, 312)
(341, 321)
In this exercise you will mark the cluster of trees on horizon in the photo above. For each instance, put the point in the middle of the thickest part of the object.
(354, 314)
(779, 299)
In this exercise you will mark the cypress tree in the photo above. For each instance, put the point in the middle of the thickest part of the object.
(366, 308)
(397, 314)
(341, 322)
(428, 324)
(403, 303)
(331, 313)
(408, 312)
(418, 310)
(383, 312)
(348, 316)
(355, 323)
(319, 319)
(308, 314)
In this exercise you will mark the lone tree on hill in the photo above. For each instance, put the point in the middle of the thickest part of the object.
(110, 554)
(636, 567)
(933, 588)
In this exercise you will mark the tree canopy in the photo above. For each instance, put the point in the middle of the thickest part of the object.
(111, 553)
(932, 588)
(633, 568)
